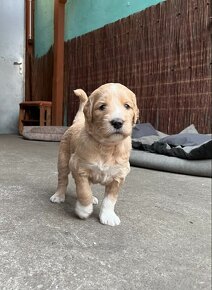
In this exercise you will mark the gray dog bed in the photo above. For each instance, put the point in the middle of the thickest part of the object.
(171, 164)
(187, 152)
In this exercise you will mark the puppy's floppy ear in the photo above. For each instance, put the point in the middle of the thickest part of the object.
(136, 115)
(88, 109)
(135, 109)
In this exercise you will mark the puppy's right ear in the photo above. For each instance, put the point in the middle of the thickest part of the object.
(88, 110)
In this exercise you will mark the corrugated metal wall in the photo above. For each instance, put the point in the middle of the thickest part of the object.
(163, 54)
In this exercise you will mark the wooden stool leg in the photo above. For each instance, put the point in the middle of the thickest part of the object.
(48, 116)
(42, 116)
(20, 119)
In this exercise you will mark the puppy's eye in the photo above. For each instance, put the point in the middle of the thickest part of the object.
(102, 107)
(127, 106)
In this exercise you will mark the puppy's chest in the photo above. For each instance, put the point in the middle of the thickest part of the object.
(104, 173)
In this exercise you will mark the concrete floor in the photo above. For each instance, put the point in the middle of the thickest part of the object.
(163, 241)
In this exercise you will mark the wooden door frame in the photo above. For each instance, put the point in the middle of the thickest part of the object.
(29, 46)
(58, 74)
(58, 61)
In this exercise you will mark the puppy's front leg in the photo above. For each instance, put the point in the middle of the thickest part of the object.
(84, 204)
(107, 214)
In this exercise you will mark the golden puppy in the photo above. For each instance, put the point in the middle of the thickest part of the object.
(96, 149)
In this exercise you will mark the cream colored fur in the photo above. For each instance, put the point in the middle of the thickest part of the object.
(96, 149)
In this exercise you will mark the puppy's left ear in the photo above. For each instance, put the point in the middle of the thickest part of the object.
(135, 109)
(136, 116)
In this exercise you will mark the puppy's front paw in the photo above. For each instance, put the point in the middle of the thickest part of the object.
(108, 217)
(83, 212)
(57, 198)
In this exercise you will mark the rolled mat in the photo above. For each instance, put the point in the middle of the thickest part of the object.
(171, 164)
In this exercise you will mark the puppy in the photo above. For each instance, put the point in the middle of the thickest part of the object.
(96, 149)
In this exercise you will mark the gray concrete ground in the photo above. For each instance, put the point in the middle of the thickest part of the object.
(163, 241)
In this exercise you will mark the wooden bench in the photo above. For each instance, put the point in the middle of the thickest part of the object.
(34, 113)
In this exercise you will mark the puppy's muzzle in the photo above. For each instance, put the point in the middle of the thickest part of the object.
(117, 123)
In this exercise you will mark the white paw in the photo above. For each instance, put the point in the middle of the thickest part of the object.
(108, 217)
(83, 212)
(95, 200)
(57, 198)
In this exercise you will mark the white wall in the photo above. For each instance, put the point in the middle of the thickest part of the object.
(12, 45)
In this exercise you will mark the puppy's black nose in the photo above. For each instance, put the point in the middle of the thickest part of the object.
(117, 123)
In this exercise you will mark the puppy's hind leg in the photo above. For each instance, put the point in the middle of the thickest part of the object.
(63, 171)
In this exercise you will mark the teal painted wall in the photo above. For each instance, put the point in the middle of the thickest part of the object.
(81, 16)
(44, 26)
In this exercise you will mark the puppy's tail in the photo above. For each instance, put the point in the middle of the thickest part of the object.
(83, 100)
(82, 95)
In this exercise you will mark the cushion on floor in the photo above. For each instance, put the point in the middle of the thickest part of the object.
(44, 133)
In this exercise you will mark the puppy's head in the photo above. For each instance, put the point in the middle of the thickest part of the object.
(111, 112)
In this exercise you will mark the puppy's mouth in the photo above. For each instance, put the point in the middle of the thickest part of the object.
(117, 134)
(117, 131)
